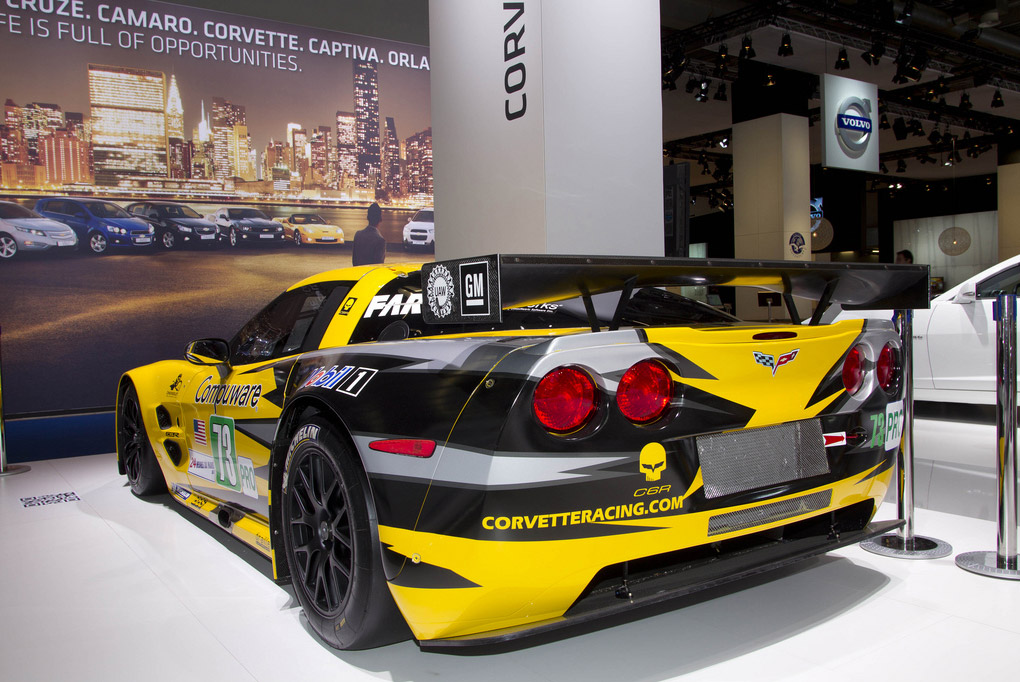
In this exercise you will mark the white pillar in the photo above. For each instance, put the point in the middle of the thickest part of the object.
(1009, 209)
(771, 196)
(546, 127)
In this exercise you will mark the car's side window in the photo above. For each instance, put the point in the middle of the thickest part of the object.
(1005, 281)
(287, 325)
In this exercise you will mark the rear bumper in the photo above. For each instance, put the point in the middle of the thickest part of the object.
(656, 585)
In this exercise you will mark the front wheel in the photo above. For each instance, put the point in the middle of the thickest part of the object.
(297, 238)
(232, 237)
(134, 450)
(168, 240)
(8, 247)
(332, 545)
(98, 243)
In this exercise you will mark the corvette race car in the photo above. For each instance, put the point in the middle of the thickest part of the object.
(476, 451)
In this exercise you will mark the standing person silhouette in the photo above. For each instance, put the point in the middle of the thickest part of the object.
(369, 244)
(904, 257)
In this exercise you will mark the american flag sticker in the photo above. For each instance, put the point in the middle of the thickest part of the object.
(200, 437)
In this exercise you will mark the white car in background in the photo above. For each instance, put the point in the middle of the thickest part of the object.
(23, 230)
(954, 339)
(420, 230)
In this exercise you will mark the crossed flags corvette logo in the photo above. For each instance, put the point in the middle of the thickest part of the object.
(773, 362)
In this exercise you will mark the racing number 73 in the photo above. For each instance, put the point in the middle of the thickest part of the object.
(233, 472)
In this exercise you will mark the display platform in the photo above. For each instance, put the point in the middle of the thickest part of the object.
(97, 584)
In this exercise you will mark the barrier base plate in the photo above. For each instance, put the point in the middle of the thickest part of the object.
(917, 547)
(13, 469)
(988, 563)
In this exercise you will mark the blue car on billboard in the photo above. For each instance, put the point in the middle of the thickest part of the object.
(99, 224)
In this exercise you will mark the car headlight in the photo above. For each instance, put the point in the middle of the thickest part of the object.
(115, 229)
(184, 228)
(29, 230)
(245, 227)
(279, 228)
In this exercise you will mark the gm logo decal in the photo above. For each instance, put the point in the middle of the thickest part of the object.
(853, 126)
(474, 282)
(774, 363)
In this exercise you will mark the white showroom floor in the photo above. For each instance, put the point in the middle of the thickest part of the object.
(111, 587)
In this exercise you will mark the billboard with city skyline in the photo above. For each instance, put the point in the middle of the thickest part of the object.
(152, 98)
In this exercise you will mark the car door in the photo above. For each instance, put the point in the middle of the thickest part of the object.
(961, 336)
(232, 410)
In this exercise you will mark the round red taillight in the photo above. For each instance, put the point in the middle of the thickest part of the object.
(887, 370)
(565, 399)
(645, 392)
(853, 370)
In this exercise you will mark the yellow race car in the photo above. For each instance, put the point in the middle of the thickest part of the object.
(475, 451)
(310, 228)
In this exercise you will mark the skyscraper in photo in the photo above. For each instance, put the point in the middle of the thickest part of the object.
(346, 146)
(128, 114)
(179, 150)
(225, 116)
(366, 112)
(391, 157)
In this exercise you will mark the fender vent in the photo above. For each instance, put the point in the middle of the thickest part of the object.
(743, 519)
(173, 450)
(163, 418)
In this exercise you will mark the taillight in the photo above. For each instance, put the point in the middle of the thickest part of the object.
(853, 370)
(565, 399)
(887, 371)
(645, 392)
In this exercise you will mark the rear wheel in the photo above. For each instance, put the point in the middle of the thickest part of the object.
(8, 246)
(134, 450)
(332, 545)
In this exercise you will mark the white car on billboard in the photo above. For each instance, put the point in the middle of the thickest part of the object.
(23, 230)
(420, 230)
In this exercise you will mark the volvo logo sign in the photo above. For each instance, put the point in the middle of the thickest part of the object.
(853, 126)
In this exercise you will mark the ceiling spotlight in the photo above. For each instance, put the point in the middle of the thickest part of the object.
(882, 167)
(873, 55)
(883, 122)
(720, 61)
(924, 158)
(770, 80)
(842, 62)
(785, 47)
(965, 101)
(746, 51)
(702, 95)
(720, 94)
(901, 166)
(934, 138)
(914, 127)
(907, 14)
(692, 83)
(997, 99)
(899, 128)
(672, 66)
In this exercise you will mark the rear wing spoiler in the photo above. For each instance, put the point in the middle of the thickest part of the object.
(478, 289)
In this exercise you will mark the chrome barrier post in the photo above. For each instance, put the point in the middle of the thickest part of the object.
(1003, 562)
(904, 544)
(6, 470)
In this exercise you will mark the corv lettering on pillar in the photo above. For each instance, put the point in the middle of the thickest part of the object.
(510, 37)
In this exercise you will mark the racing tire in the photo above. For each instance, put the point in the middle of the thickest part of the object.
(8, 246)
(168, 240)
(134, 450)
(331, 541)
(297, 238)
(98, 244)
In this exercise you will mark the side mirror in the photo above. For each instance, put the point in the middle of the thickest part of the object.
(966, 294)
(207, 352)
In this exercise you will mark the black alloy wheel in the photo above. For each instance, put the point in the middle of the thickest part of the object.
(134, 450)
(331, 543)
